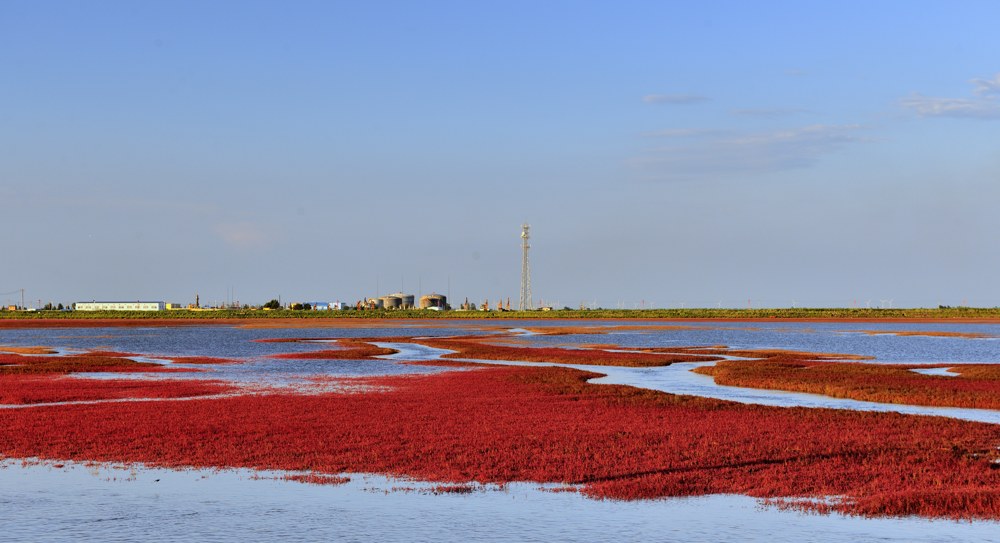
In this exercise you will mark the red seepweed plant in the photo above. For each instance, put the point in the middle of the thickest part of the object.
(977, 386)
(31, 379)
(486, 348)
(544, 424)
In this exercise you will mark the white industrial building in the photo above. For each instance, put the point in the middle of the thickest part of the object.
(120, 306)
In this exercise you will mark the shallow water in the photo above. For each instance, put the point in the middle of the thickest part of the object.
(821, 337)
(42, 503)
(75, 502)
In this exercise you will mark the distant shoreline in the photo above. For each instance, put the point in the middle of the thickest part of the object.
(25, 319)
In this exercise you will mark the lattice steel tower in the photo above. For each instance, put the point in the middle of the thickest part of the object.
(525, 304)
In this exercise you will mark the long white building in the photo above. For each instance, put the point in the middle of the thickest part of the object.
(120, 306)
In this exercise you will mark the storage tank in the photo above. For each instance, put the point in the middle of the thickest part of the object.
(406, 301)
(391, 301)
(433, 300)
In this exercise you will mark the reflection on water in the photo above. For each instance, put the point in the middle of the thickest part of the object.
(835, 337)
(228, 342)
(74, 503)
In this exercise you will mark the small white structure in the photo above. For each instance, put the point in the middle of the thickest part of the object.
(120, 306)
(329, 306)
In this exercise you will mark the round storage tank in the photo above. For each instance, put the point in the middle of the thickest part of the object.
(392, 302)
(406, 300)
(433, 300)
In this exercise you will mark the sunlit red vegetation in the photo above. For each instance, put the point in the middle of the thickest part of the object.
(112, 354)
(202, 360)
(978, 371)
(604, 329)
(26, 350)
(109, 323)
(350, 349)
(486, 348)
(352, 322)
(928, 333)
(32, 389)
(479, 347)
(317, 479)
(453, 489)
(27, 379)
(12, 364)
(977, 386)
(560, 489)
(545, 424)
(443, 363)
(777, 355)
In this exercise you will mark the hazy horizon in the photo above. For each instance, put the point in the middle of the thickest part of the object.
(666, 154)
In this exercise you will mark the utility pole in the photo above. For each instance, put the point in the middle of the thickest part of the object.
(525, 303)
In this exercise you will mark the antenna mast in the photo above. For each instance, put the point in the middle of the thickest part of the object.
(525, 303)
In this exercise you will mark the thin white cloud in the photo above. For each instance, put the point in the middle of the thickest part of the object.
(986, 104)
(771, 113)
(971, 108)
(686, 133)
(987, 86)
(243, 235)
(747, 153)
(674, 99)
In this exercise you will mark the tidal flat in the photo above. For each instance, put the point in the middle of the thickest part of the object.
(464, 414)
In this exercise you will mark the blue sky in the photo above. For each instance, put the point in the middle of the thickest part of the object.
(665, 153)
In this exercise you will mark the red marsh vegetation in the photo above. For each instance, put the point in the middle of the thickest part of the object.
(486, 348)
(978, 371)
(347, 349)
(977, 386)
(108, 323)
(924, 333)
(13, 364)
(26, 350)
(208, 360)
(317, 479)
(545, 424)
(29, 379)
(33, 389)
(604, 329)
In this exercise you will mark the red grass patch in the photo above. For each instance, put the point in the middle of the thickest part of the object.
(202, 360)
(443, 363)
(12, 364)
(112, 354)
(453, 489)
(477, 347)
(926, 333)
(977, 386)
(504, 424)
(317, 479)
(351, 349)
(978, 371)
(32, 389)
(26, 350)
(604, 329)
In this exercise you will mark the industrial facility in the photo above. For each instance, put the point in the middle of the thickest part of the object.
(432, 301)
(120, 306)
(394, 301)
(397, 300)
